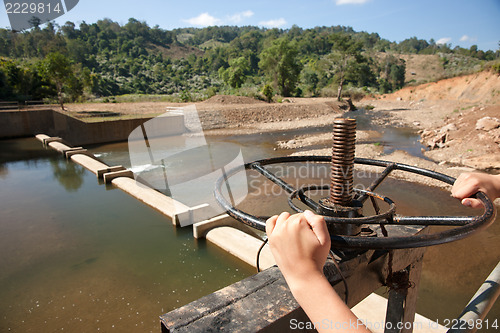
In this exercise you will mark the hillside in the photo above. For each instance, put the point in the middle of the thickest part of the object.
(482, 87)
(106, 59)
(422, 68)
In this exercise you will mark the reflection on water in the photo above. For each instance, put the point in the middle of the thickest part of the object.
(68, 174)
(74, 256)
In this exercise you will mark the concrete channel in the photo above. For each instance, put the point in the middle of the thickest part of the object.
(221, 230)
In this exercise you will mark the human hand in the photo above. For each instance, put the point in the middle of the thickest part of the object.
(300, 244)
(468, 184)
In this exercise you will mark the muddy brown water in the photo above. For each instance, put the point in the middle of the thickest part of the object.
(79, 256)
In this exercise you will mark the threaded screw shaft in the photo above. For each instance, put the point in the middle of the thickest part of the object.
(344, 138)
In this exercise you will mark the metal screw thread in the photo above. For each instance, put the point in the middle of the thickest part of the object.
(344, 138)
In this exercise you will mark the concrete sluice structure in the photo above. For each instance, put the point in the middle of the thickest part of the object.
(247, 296)
(261, 302)
(119, 177)
(221, 230)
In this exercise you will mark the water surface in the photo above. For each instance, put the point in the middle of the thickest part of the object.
(81, 257)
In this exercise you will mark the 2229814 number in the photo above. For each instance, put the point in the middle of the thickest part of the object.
(31, 8)
(470, 324)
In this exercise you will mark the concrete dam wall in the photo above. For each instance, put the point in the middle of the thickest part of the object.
(74, 131)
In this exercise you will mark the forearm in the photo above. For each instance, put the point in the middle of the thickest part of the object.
(323, 306)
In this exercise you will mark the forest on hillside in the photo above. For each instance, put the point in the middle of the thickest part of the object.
(105, 59)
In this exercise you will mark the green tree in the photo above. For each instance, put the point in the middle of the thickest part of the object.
(235, 74)
(56, 68)
(346, 52)
(397, 75)
(280, 62)
(18, 80)
(392, 73)
(310, 79)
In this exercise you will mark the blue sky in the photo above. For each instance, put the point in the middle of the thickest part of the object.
(455, 22)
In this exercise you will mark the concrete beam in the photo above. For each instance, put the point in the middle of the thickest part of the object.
(46, 141)
(122, 178)
(242, 246)
(88, 162)
(76, 150)
(108, 177)
(200, 229)
(41, 137)
(101, 172)
(191, 215)
(164, 204)
(58, 145)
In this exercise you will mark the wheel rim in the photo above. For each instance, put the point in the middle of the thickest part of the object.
(464, 225)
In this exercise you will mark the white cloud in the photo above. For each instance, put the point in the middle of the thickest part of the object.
(466, 38)
(443, 40)
(203, 20)
(238, 17)
(350, 2)
(273, 23)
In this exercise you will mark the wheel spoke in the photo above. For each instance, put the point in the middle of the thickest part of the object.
(375, 205)
(377, 181)
(308, 201)
(272, 177)
(284, 185)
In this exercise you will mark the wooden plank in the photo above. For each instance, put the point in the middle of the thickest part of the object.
(263, 302)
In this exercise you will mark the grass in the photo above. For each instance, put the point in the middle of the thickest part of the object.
(130, 98)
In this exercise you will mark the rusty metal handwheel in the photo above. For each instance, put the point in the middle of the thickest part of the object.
(464, 225)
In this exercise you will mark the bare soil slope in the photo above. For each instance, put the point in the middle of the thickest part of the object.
(482, 87)
(448, 113)
(422, 68)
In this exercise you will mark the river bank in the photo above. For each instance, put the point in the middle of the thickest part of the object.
(458, 121)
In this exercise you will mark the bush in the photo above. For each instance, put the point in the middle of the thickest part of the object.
(268, 92)
(211, 91)
(186, 96)
(328, 92)
(354, 94)
(496, 68)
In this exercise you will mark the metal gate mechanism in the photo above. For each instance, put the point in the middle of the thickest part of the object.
(342, 210)
(240, 306)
